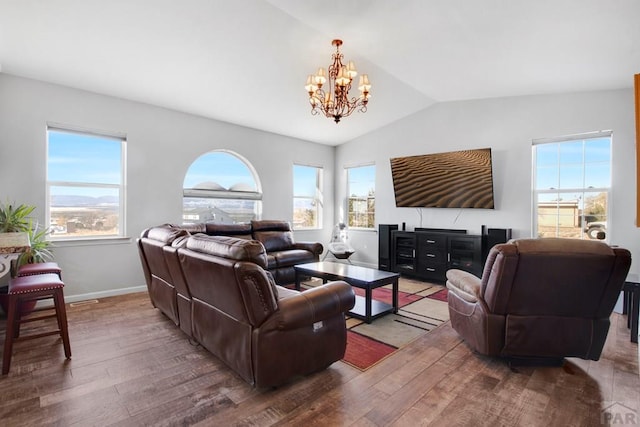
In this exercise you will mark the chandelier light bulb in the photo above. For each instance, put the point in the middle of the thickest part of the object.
(321, 77)
(351, 70)
(364, 85)
(311, 86)
(333, 100)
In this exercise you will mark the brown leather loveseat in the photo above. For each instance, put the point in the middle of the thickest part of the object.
(539, 299)
(283, 252)
(264, 332)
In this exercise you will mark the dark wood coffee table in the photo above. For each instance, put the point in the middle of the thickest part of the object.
(365, 278)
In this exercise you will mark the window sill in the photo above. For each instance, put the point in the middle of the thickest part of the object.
(91, 241)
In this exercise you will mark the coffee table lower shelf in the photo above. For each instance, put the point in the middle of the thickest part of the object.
(366, 308)
(378, 309)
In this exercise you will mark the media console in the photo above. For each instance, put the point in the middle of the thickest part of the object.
(427, 253)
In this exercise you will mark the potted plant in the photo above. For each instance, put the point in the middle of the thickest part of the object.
(15, 219)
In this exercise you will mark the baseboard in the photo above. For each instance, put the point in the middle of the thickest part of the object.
(104, 294)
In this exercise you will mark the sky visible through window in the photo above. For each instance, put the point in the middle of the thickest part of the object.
(304, 182)
(362, 180)
(580, 164)
(83, 159)
(220, 167)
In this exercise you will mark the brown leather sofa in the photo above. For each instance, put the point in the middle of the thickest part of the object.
(283, 252)
(539, 300)
(158, 250)
(266, 333)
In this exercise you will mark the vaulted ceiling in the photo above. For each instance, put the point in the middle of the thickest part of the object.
(246, 61)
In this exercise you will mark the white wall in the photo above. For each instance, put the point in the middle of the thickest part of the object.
(161, 144)
(507, 126)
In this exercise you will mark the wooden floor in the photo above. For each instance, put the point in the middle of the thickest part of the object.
(133, 367)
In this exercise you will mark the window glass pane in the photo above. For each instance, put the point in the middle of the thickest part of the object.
(305, 213)
(597, 175)
(75, 157)
(571, 176)
(307, 196)
(304, 181)
(84, 211)
(224, 169)
(200, 209)
(598, 150)
(220, 187)
(547, 177)
(579, 207)
(571, 153)
(361, 200)
(547, 155)
(362, 181)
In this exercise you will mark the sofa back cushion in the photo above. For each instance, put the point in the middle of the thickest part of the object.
(241, 231)
(274, 235)
(198, 227)
(163, 234)
(231, 248)
(537, 277)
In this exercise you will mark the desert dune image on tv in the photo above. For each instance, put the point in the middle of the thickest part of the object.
(457, 179)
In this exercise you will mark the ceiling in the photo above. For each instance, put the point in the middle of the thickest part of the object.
(246, 61)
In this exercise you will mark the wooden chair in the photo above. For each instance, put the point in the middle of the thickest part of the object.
(34, 288)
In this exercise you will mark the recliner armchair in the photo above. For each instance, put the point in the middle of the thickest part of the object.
(539, 299)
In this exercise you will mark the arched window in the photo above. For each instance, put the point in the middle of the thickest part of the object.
(221, 186)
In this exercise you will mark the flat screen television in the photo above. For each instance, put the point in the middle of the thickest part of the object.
(457, 179)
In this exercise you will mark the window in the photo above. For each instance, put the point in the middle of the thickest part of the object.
(307, 197)
(361, 203)
(220, 186)
(572, 181)
(85, 184)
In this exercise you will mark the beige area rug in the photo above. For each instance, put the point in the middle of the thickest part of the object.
(423, 307)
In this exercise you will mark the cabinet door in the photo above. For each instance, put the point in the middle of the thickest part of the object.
(404, 252)
(465, 253)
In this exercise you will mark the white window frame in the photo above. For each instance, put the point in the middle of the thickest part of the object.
(574, 190)
(317, 199)
(348, 170)
(121, 186)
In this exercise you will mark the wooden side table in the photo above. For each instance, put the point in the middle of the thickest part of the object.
(631, 307)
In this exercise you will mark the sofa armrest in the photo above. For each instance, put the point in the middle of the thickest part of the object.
(314, 247)
(315, 305)
(464, 284)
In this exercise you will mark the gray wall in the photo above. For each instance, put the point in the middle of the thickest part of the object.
(161, 144)
(507, 126)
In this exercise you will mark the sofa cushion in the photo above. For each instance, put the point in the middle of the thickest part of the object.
(270, 225)
(241, 231)
(164, 234)
(229, 247)
(198, 227)
(292, 257)
(274, 240)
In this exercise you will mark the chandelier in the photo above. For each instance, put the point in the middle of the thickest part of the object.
(334, 102)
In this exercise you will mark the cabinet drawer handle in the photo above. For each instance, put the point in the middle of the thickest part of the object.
(431, 255)
(431, 241)
(431, 269)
